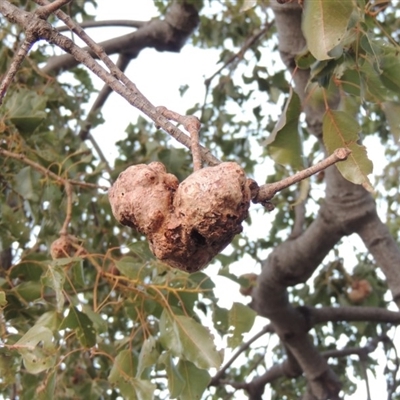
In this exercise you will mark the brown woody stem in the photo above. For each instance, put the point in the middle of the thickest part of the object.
(192, 125)
(268, 191)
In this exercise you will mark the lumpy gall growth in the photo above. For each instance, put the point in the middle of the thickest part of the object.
(186, 224)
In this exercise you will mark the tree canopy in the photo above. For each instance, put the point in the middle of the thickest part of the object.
(88, 311)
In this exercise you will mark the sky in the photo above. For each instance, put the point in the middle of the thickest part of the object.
(158, 76)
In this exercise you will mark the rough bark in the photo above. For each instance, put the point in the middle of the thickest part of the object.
(346, 209)
(186, 224)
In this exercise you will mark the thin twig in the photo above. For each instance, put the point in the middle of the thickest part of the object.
(370, 347)
(283, 369)
(68, 213)
(65, 182)
(50, 8)
(268, 191)
(217, 377)
(249, 42)
(122, 85)
(31, 38)
(16, 63)
(100, 153)
(191, 123)
(97, 49)
(46, 172)
(365, 376)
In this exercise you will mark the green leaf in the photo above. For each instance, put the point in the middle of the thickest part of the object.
(284, 143)
(29, 291)
(3, 300)
(175, 379)
(124, 367)
(351, 82)
(221, 319)
(55, 278)
(47, 389)
(187, 339)
(148, 355)
(341, 130)
(26, 183)
(196, 380)
(82, 325)
(372, 87)
(77, 273)
(132, 268)
(390, 76)
(30, 268)
(202, 281)
(324, 26)
(392, 113)
(26, 109)
(247, 5)
(50, 319)
(304, 60)
(37, 358)
(9, 365)
(322, 72)
(368, 44)
(174, 160)
(241, 320)
(99, 323)
(138, 389)
(122, 375)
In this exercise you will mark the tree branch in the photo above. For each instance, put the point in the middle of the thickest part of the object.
(44, 171)
(294, 261)
(257, 385)
(218, 376)
(15, 65)
(268, 191)
(335, 314)
(101, 99)
(49, 8)
(383, 247)
(163, 35)
(125, 88)
(108, 23)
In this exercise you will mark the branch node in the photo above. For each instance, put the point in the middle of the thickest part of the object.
(191, 125)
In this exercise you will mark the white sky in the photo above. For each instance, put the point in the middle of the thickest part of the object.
(158, 76)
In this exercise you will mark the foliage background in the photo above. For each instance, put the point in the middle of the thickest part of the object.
(112, 320)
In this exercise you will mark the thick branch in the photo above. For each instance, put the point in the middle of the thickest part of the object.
(294, 261)
(386, 252)
(109, 23)
(286, 370)
(169, 34)
(334, 314)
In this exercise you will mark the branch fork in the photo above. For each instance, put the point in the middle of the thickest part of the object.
(192, 125)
